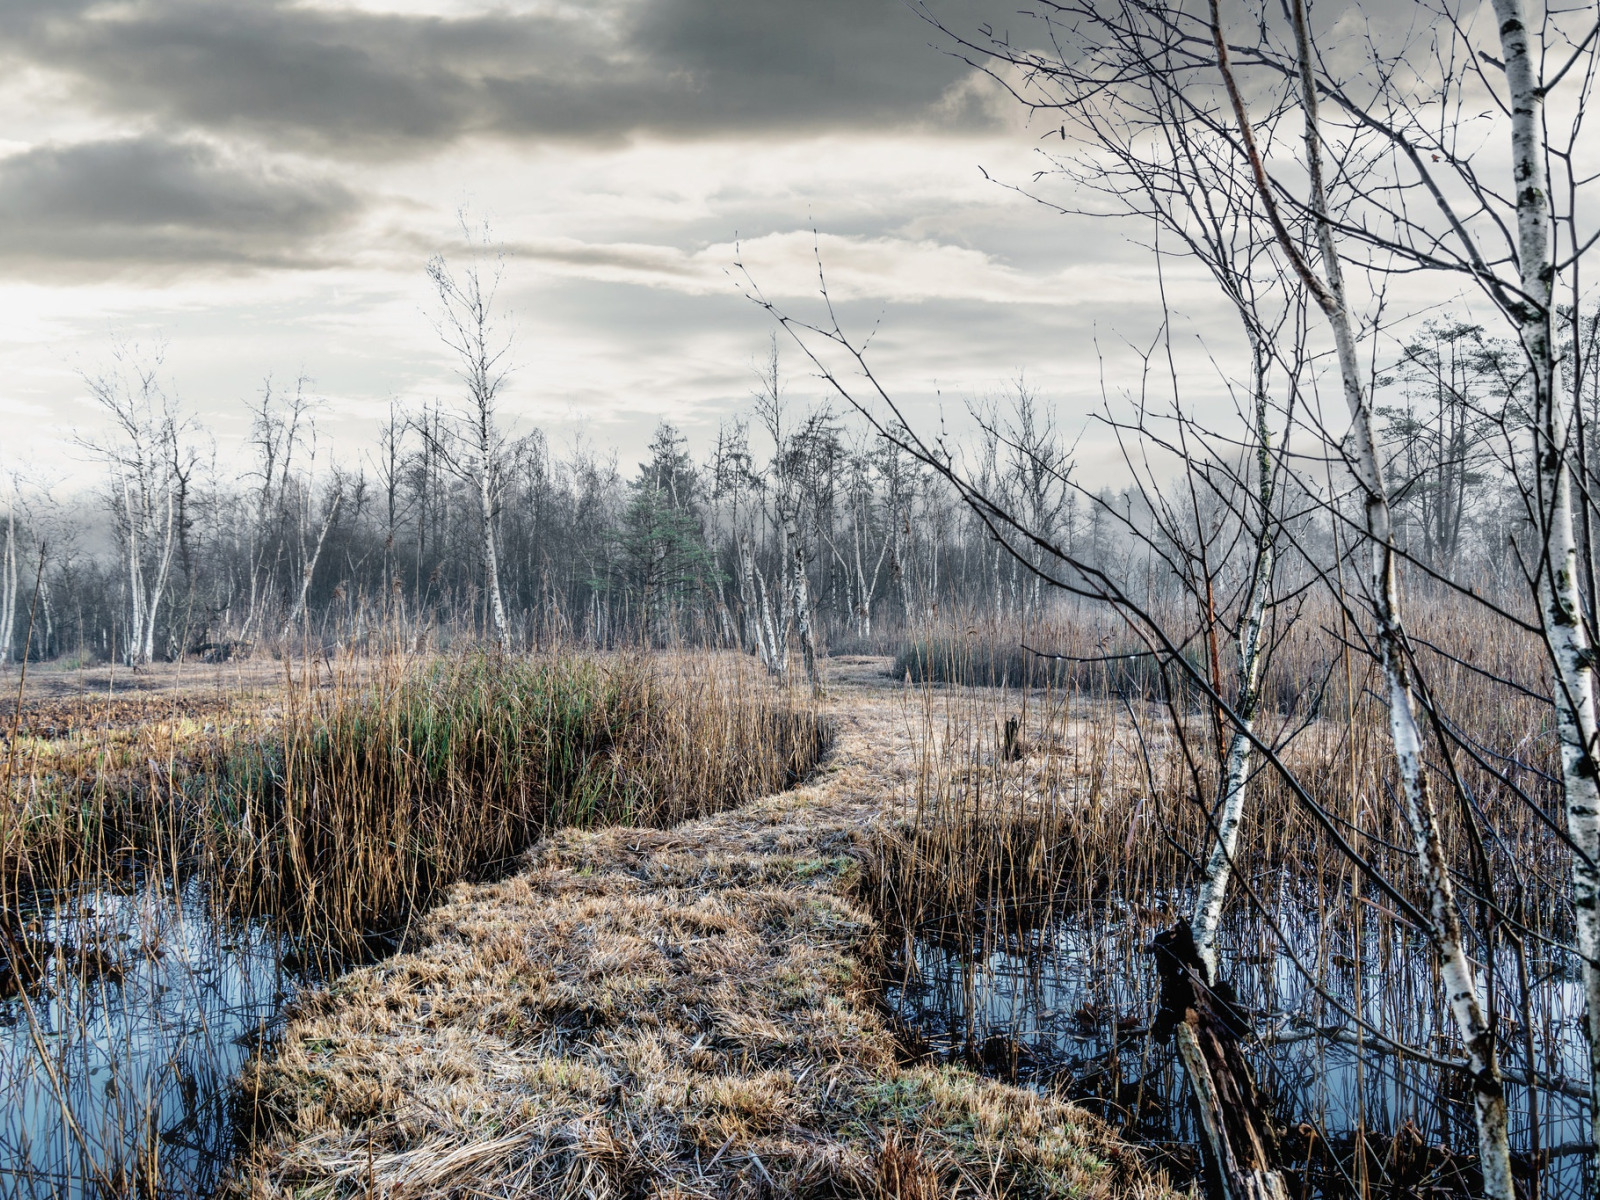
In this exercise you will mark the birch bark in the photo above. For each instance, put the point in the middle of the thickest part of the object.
(8, 586)
(299, 608)
(1236, 771)
(491, 551)
(1456, 971)
(1560, 599)
(159, 586)
(801, 591)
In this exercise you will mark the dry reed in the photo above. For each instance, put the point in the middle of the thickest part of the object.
(150, 843)
(1111, 802)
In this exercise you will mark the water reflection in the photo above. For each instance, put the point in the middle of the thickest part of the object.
(126, 1017)
(1071, 1007)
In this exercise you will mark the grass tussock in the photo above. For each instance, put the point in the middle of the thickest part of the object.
(343, 801)
(381, 792)
(684, 1012)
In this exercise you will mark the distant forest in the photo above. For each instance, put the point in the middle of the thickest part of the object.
(796, 528)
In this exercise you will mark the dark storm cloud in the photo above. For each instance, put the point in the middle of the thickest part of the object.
(133, 201)
(388, 84)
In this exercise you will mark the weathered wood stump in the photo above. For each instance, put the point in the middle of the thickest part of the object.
(1012, 747)
(1241, 1143)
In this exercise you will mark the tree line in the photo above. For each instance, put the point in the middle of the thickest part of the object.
(795, 528)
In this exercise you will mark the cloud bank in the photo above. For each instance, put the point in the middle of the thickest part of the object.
(390, 84)
(137, 200)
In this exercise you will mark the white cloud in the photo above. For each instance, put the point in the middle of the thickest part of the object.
(888, 268)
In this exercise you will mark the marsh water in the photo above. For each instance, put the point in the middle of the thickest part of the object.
(1071, 1006)
(128, 1014)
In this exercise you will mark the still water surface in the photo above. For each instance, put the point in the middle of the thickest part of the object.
(1072, 1007)
(117, 1059)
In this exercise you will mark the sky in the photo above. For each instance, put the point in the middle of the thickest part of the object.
(252, 188)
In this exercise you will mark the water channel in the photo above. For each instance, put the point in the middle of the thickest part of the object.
(1072, 1007)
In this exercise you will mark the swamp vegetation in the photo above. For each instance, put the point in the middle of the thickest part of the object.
(1051, 840)
(177, 868)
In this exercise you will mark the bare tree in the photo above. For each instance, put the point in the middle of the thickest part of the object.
(282, 433)
(860, 499)
(309, 557)
(145, 455)
(477, 448)
(787, 492)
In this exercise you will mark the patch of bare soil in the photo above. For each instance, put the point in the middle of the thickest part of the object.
(689, 1012)
(114, 681)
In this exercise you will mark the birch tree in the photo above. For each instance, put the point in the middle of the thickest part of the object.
(1532, 311)
(9, 584)
(786, 497)
(282, 435)
(144, 452)
(477, 448)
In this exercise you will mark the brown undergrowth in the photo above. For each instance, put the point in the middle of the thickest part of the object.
(683, 1012)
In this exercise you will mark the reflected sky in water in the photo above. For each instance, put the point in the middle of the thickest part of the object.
(146, 1008)
(1071, 1007)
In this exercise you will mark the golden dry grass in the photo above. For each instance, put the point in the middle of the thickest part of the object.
(688, 1012)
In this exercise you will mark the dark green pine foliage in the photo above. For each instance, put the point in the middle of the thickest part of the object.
(665, 562)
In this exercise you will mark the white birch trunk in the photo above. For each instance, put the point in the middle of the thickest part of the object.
(135, 642)
(491, 557)
(1236, 771)
(747, 598)
(785, 614)
(8, 588)
(163, 573)
(802, 610)
(867, 586)
(1456, 971)
(299, 606)
(774, 659)
(1466, 1011)
(777, 648)
(1563, 609)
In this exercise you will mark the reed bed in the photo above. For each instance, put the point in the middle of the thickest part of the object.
(176, 867)
(1095, 812)
(380, 790)
(353, 794)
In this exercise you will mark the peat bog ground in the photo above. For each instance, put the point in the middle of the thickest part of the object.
(649, 925)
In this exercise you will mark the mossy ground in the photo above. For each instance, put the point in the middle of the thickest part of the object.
(687, 1012)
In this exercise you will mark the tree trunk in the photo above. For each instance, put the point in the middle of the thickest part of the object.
(1236, 773)
(491, 563)
(136, 613)
(159, 587)
(8, 589)
(802, 610)
(1460, 983)
(1241, 1144)
(760, 610)
(1561, 600)
(299, 608)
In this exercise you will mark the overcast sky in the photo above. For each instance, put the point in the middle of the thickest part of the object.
(257, 184)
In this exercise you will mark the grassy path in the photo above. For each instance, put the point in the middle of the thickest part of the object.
(680, 1013)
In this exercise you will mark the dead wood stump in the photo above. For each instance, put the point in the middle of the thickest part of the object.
(1240, 1141)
